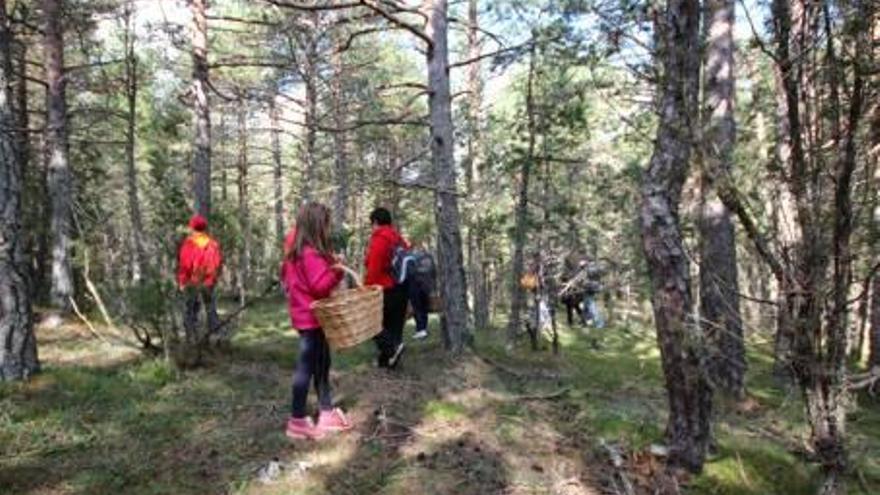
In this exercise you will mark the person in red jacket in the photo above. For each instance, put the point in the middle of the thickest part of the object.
(380, 251)
(199, 261)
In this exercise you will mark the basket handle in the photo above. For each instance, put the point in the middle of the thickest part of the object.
(355, 275)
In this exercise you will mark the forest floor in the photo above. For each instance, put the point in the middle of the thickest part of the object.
(102, 419)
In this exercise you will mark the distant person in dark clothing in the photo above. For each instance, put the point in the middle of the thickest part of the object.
(383, 242)
(593, 286)
(419, 275)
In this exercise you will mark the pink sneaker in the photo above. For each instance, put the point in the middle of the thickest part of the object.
(333, 421)
(303, 429)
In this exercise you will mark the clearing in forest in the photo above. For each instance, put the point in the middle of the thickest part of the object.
(103, 420)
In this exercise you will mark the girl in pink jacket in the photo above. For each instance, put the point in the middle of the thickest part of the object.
(310, 273)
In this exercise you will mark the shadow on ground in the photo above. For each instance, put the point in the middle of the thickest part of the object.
(104, 421)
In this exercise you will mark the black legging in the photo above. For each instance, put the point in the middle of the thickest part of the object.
(314, 361)
(419, 295)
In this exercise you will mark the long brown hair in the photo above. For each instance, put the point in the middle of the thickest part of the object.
(312, 229)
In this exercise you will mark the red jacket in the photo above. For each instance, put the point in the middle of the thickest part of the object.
(378, 260)
(198, 261)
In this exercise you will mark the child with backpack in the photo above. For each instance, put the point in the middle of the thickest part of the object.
(310, 273)
(386, 246)
(419, 274)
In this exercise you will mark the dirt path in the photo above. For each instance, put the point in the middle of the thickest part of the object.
(435, 427)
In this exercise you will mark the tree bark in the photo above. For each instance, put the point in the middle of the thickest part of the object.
(60, 177)
(310, 77)
(244, 217)
(34, 195)
(201, 164)
(474, 146)
(719, 289)
(681, 342)
(139, 256)
(455, 308)
(340, 143)
(18, 346)
(517, 297)
(874, 238)
(221, 159)
(874, 329)
(277, 171)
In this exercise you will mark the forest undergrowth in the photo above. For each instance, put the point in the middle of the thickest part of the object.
(102, 419)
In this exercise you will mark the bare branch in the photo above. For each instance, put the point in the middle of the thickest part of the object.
(245, 62)
(732, 199)
(315, 6)
(240, 20)
(474, 60)
(93, 65)
(419, 33)
(376, 122)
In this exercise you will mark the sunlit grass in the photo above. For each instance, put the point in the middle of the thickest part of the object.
(136, 425)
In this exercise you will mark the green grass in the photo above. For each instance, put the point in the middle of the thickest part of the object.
(442, 410)
(90, 425)
(619, 397)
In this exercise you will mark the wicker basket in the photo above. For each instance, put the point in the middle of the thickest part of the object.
(435, 303)
(351, 316)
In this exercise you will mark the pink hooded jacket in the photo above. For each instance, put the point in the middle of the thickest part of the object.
(308, 279)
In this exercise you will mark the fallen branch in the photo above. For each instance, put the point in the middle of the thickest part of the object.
(562, 392)
(87, 322)
(865, 380)
(618, 464)
(531, 374)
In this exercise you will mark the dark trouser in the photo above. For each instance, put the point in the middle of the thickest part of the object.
(313, 362)
(196, 297)
(393, 319)
(572, 307)
(420, 300)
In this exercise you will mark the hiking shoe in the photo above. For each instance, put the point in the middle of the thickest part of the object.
(381, 360)
(394, 360)
(333, 421)
(420, 335)
(303, 429)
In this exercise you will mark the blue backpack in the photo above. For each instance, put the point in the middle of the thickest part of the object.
(398, 262)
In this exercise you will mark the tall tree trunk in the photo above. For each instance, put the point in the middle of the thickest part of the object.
(474, 147)
(392, 171)
(790, 157)
(681, 342)
(820, 352)
(18, 346)
(34, 195)
(719, 289)
(60, 177)
(134, 208)
(277, 170)
(340, 144)
(874, 238)
(455, 307)
(874, 328)
(517, 297)
(221, 159)
(310, 77)
(856, 337)
(244, 217)
(201, 164)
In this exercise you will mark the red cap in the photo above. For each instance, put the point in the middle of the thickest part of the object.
(198, 223)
